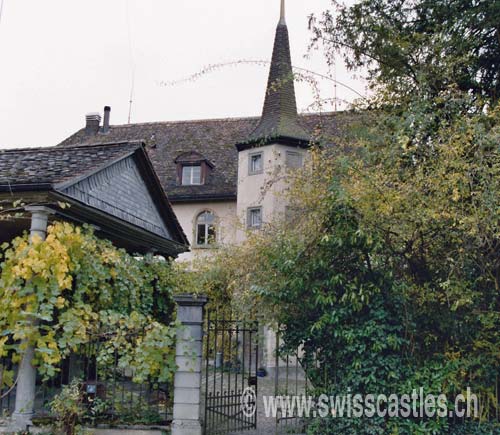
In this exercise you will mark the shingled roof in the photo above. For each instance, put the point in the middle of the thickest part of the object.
(41, 168)
(279, 122)
(214, 139)
(218, 141)
(97, 180)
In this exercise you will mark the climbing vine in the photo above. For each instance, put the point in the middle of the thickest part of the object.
(73, 288)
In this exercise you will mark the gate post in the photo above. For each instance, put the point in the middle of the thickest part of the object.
(187, 384)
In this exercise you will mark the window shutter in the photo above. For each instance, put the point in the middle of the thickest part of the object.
(294, 159)
(179, 173)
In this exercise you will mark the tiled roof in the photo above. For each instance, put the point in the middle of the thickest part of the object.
(54, 165)
(55, 169)
(279, 117)
(214, 139)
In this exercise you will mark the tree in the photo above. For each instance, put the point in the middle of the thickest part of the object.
(418, 46)
(390, 279)
(395, 266)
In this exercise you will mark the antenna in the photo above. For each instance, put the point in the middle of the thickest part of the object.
(131, 99)
(1, 10)
(335, 84)
(132, 64)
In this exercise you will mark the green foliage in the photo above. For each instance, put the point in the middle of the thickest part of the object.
(395, 260)
(138, 415)
(395, 263)
(72, 289)
(474, 429)
(420, 46)
(373, 427)
(69, 409)
(209, 276)
(389, 279)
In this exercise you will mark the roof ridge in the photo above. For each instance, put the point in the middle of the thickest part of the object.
(188, 121)
(106, 144)
(228, 119)
(58, 148)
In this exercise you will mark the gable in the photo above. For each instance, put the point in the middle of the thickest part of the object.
(121, 191)
(189, 157)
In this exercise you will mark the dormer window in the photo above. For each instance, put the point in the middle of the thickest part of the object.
(191, 175)
(193, 169)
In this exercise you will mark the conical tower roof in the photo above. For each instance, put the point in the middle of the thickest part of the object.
(279, 121)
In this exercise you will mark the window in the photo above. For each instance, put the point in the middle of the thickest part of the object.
(205, 229)
(294, 159)
(191, 175)
(255, 163)
(193, 169)
(254, 217)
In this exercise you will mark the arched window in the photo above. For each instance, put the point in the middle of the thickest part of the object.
(205, 229)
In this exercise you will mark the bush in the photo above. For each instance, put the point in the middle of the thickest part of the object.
(68, 408)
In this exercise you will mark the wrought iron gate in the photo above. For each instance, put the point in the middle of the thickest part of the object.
(290, 380)
(231, 350)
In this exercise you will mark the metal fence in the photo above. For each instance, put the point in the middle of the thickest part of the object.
(290, 379)
(109, 393)
(231, 361)
(7, 393)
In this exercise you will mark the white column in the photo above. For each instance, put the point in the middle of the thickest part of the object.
(26, 384)
(187, 384)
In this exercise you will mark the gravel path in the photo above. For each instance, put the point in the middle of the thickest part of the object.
(265, 426)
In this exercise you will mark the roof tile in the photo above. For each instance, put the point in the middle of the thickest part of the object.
(215, 139)
(54, 165)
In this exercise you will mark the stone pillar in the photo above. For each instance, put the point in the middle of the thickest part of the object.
(26, 384)
(39, 220)
(187, 384)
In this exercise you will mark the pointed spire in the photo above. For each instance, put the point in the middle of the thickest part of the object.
(279, 121)
(282, 14)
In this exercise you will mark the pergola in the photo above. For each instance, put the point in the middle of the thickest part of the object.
(112, 187)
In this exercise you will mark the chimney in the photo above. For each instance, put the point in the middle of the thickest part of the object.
(92, 123)
(107, 113)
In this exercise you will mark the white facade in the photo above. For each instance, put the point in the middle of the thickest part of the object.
(224, 213)
(264, 189)
(267, 188)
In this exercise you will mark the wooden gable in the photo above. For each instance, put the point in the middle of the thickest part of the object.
(121, 191)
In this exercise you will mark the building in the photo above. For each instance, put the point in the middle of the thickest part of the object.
(214, 171)
(113, 187)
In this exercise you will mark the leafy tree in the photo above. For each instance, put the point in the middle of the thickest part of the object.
(389, 279)
(417, 46)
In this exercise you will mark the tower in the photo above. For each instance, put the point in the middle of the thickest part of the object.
(276, 144)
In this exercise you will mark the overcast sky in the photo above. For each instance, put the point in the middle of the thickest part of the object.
(60, 59)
